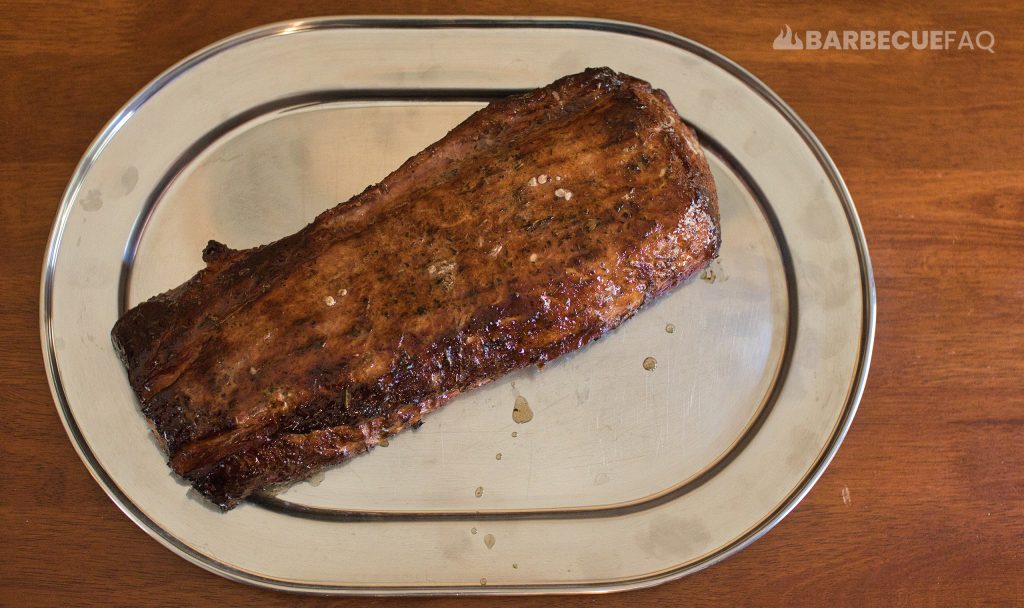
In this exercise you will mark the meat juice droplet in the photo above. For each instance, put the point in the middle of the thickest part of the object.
(521, 412)
(489, 541)
(650, 363)
(472, 530)
(670, 328)
(479, 491)
(497, 456)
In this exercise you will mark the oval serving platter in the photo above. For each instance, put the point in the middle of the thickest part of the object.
(625, 477)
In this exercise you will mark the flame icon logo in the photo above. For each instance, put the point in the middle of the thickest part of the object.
(787, 41)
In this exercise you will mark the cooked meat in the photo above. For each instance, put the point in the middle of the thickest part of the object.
(540, 223)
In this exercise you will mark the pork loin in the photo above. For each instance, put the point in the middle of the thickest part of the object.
(540, 223)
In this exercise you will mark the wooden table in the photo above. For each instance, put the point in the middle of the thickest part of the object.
(924, 504)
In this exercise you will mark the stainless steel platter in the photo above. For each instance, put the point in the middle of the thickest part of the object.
(625, 477)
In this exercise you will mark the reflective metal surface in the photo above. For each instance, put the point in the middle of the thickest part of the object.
(676, 467)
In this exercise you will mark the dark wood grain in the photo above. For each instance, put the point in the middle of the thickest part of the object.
(931, 144)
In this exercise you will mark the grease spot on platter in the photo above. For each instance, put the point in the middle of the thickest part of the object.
(521, 412)
(92, 201)
(129, 179)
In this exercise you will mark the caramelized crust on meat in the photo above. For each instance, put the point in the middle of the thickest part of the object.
(540, 223)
